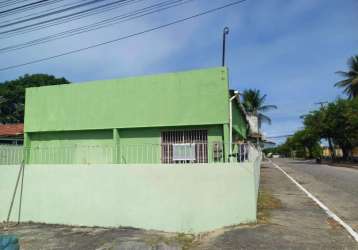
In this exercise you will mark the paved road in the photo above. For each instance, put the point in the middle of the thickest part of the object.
(336, 187)
(298, 224)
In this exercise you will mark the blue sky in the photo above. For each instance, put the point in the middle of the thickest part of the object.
(289, 49)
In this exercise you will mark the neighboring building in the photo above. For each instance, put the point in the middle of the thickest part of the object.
(327, 153)
(166, 118)
(12, 134)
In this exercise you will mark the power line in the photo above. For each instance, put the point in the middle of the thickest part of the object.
(26, 7)
(66, 18)
(125, 37)
(23, 6)
(9, 3)
(99, 25)
(278, 136)
(51, 13)
(40, 12)
(20, 29)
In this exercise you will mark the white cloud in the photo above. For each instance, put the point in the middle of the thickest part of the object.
(288, 49)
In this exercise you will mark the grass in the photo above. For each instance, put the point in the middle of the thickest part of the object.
(266, 202)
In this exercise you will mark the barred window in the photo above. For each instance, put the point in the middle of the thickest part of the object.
(184, 146)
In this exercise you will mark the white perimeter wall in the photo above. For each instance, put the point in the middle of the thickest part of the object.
(177, 198)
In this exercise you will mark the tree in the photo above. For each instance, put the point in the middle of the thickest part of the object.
(317, 122)
(337, 123)
(342, 117)
(254, 104)
(350, 83)
(306, 141)
(12, 95)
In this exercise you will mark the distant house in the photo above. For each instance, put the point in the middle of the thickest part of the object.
(166, 118)
(327, 153)
(12, 134)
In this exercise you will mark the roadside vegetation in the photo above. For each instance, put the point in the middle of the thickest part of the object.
(335, 124)
(12, 95)
(266, 202)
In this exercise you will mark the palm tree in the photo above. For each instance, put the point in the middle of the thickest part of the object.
(254, 104)
(350, 84)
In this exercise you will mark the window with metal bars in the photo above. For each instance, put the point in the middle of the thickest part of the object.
(184, 146)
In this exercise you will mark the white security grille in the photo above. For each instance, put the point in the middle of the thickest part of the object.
(184, 146)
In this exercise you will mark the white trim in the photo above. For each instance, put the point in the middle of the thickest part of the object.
(332, 215)
(230, 123)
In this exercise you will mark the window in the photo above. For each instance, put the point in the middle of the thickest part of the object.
(184, 152)
(187, 146)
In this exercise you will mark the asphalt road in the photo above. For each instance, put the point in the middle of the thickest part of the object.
(336, 187)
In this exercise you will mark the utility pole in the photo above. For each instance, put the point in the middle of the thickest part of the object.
(225, 33)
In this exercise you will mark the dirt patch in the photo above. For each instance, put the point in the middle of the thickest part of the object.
(266, 202)
(333, 224)
(180, 241)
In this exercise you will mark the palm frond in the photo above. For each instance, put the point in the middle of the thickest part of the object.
(343, 83)
(267, 108)
(350, 84)
(343, 74)
(264, 119)
(262, 99)
(254, 104)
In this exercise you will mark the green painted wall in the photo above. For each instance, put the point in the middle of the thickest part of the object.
(238, 122)
(180, 198)
(119, 121)
(198, 97)
(71, 147)
(138, 145)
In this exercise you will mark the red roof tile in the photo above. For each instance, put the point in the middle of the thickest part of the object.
(11, 129)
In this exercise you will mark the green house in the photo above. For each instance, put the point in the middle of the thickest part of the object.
(165, 118)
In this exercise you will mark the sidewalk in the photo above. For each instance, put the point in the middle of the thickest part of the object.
(341, 164)
(298, 224)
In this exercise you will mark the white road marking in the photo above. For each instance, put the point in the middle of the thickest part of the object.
(350, 230)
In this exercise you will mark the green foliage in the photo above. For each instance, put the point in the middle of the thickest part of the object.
(254, 104)
(12, 95)
(337, 123)
(350, 83)
(342, 117)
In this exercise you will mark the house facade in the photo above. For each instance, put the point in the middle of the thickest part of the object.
(167, 118)
(11, 134)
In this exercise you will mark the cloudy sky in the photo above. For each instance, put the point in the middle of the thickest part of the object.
(289, 49)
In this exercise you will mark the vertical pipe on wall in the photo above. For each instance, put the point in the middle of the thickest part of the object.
(116, 142)
(26, 148)
(225, 141)
(230, 123)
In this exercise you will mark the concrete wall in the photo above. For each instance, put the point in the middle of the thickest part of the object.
(180, 198)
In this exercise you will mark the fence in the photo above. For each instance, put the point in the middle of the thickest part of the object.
(165, 153)
(10, 154)
(180, 198)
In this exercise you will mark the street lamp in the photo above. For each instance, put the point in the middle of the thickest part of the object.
(225, 33)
